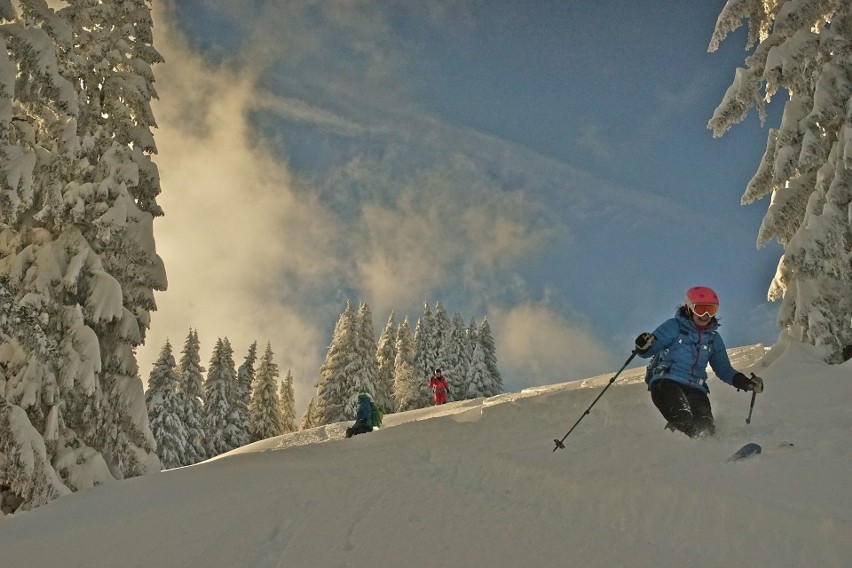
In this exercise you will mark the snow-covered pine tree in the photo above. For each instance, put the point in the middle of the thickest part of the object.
(335, 386)
(803, 48)
(240, 419)
(264, 408)
(91, 409)
(234, 432)
(457, 358)
(112, 199)
(364, 370)
(489, 353)
(191, 391)
(217, 394)
(479, 381)
(424, 345)
(308, 417)
(441, 337)
(36, 147)
(471, 340)
(164, 411)
(287, 404)
(385, 359)
(409, 390)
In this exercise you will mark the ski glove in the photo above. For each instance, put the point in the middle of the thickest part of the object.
(754, 383)
(644, 341)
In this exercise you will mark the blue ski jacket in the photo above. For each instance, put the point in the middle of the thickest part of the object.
(365, 409)
(681, 352)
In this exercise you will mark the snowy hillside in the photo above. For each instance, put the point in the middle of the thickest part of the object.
(475, 483)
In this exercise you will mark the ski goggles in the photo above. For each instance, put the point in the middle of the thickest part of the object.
(704, 309)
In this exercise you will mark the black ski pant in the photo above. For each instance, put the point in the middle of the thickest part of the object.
(686, 409)
(360, 427)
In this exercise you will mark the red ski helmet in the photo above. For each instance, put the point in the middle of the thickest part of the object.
(702, 300)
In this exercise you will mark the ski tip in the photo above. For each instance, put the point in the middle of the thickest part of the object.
(750, 449)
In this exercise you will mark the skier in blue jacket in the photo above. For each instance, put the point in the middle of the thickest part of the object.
(363, 415)
(681, 348)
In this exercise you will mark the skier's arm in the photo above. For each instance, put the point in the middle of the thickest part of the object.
(720, 363)
(664, 336)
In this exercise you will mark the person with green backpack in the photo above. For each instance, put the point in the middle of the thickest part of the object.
(367, 416)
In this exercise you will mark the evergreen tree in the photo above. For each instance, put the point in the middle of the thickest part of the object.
(164, 411)
(364, 368)
(335, 388)
(441, 337)
(264, 408)
(235, 432)
(424, 345)
(457, 358)
(217, 394)
(803, 48)
(489, 353)
(112, 201)
(309, 416)
(37, 155)
(73, 242)
(385, 360)
(191, 391)
(409, 390)
(242, 396)
(479, 381)
(287, 404)
(471, 340)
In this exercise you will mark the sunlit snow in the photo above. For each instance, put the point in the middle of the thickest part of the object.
(476, 483)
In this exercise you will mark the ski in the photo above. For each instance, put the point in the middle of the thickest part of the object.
(750, 449)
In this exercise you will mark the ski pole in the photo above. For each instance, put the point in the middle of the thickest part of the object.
(559, 443)
(751, 406)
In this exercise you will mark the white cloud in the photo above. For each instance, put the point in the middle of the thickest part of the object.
(238, 239)
(540, 346)
(446, 226)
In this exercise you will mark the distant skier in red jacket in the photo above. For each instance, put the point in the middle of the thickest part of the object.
(439, 384)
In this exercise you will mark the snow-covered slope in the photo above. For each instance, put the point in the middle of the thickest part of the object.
(476, 483)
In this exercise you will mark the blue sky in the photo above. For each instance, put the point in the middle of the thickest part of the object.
(546, 164)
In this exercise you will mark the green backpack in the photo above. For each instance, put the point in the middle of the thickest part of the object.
(376, 416)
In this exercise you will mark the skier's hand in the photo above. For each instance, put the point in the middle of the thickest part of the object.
(742, 382)
(644, 341)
